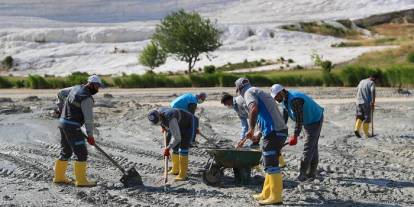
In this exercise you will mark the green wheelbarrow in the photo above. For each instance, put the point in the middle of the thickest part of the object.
(240, 160)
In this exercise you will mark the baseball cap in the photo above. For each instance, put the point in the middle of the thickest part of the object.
(276, 88)
(241, 83)
(96, 79)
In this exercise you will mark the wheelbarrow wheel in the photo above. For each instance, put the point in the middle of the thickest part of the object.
(212, 175)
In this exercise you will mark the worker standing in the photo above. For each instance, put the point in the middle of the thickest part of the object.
(365, 105)
(264, 112)
(76, 111)
(188, 102)
(180, 124)
(304, 111)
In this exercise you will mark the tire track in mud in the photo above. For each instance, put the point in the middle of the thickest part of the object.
(27, 168)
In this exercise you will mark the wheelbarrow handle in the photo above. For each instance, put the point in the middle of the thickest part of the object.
(110, 159)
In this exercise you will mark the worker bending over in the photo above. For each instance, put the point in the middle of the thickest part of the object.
(76, 107)
(188, 102)
(264, 112)
(304, 111)
(180, 124)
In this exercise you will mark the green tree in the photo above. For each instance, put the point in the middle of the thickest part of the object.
(152, 56)
(187, 36)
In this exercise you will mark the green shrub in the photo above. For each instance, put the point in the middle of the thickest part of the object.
(227, 80)
(182, 81)
(209, 69)
(77, 78)
(410, 57)
(352, 74)
(326, 66)
(7, 62)
(5, 83)
(259, 80)
(37, 82)
(206, 80)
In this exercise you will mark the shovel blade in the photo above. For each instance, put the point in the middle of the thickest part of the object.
(131, 178)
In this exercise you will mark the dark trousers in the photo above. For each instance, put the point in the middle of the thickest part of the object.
(272, 146)
(183, 147)
(310, 151)
(72, 141)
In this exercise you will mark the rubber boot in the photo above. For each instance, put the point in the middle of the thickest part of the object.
(358, 125)
(276, 188)
(265, 191)
(175, 164)
(183, 165)
(365, 128)
(80, 175)
(282, 162)
(302, 172)
(60, 172)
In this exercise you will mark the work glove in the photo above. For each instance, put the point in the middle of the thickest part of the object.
(91, 140)
(166, 152)
(293, 140)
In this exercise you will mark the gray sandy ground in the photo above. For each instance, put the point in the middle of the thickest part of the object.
(353, 172)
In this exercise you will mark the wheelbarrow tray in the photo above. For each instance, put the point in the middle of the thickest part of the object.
(233, 158)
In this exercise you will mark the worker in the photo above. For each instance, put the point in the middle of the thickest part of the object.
(263, 111)
(365, 105)
(188, 102)
(304, 111)
(77, 110)
(180, 124)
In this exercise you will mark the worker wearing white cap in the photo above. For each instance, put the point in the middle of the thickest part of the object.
(76, 110)
(303, 110)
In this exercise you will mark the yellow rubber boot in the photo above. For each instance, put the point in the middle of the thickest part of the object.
(60, 172)
(175, 164)
(358, 124)
(365, 128)
(276, 188)
(282, 162)
(183, 164)
(265, 191)
(80, 175)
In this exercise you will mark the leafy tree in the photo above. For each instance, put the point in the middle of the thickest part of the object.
(152, 56)
(187, 36)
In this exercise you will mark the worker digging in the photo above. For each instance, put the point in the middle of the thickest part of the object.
(76, 110)
(365, 104)
(306, 113)
(179, 123)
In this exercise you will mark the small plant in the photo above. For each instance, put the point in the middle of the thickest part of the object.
(152, 56)
(272, 34)
(7, 62)
(317, 60)
(209, 69)
(290, 61)
(410, 57)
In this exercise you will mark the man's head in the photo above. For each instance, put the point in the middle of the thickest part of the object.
(201, 97)
(154, 117)
(374, 77)
(227, 99)
(241, 84)
(94, 83)
(278, 92)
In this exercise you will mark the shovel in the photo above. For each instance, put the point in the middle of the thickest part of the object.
(130, 177)
(209, 140)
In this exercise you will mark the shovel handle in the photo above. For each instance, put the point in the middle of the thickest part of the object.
(110, 158)
(165, 160)
(208, 140)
